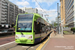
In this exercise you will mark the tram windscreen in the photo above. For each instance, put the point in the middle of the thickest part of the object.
(24, 23)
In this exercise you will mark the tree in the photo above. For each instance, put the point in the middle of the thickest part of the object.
(55, 24)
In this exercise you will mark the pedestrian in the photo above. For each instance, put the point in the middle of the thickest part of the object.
(55, 31)
(46, 30)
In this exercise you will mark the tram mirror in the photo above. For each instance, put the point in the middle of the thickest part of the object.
(34, 31)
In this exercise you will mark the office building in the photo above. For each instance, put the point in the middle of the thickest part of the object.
(11, 12)
(3, 11)
(29, 10)
(8, 12)
(21, 11)
(68, 12)
(62, 13)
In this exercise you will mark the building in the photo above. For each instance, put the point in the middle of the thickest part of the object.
(11, 12)
(21, 11)
(3, 12)
(62, 8)
(8, 12)
(68, 12)
(31, 10)
(16, 13)
(40, 14)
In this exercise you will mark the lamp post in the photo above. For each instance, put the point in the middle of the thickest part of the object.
(62, 23)
(58, 24)
(58, 15)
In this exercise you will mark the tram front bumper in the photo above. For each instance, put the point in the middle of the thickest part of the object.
(24, 41)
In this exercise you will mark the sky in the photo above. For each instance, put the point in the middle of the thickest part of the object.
(47, 7)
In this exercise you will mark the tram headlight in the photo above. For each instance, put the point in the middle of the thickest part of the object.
(17, 37)
(30, 37)
(31, 40)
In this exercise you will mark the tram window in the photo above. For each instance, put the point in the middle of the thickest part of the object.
(37, 28)
(34, 26)
(25, 23)
(43, 28)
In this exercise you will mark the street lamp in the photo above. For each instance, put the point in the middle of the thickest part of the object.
(58, 24)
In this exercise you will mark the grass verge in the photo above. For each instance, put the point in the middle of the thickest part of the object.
(66, 32)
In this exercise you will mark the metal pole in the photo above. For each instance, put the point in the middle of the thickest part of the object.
(62, 26)
(62, 30)
(58, 15)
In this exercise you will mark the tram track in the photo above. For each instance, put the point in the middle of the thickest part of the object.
(28, 48)
(11, 47)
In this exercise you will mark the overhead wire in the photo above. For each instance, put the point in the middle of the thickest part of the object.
(42, 9)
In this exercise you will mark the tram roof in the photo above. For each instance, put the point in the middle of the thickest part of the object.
(41, 17)
(36, 14)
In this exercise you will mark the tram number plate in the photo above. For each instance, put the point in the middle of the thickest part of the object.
(22, 36)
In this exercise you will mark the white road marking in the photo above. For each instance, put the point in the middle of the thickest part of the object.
(32, 47)
(7, 43)
(25, 46)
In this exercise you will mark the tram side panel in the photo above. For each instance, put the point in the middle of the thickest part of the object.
(40, 31)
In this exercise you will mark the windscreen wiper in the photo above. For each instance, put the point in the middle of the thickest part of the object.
(21, 33)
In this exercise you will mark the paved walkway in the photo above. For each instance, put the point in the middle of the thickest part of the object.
(59, 42)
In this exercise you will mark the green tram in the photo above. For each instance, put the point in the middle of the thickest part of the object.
(30, 28)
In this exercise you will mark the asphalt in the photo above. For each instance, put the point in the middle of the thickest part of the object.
(7, 39)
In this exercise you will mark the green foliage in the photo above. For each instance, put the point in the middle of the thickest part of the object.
(66, 26)
(73, 29)
(55, 24)
(66, 32)
(51, 24)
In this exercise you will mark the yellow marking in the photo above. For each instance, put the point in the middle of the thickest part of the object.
(41, 45)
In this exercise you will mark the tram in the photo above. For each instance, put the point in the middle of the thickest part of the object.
(30, 28)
